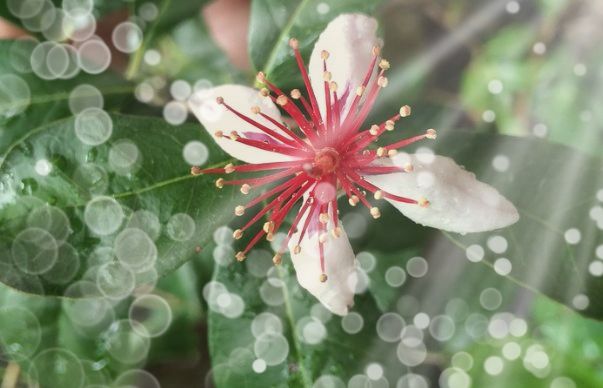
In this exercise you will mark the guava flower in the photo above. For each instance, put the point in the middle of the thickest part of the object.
(331, 150)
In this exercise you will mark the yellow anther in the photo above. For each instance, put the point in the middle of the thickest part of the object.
(233, 135)
(220, 183)
(391, 153)
(333, 86)
(405, 111)
(245, 188)
(376, 51)
(296, 249)
(255, 109)
(408, 167)
(239, 210)
(336, 232)
(240, 256)
(295, 94)
(360, 90)
(293, 43)
(374, 130)
(389, 125)
(375, 212)
(324, 54)
(381, 151)
(220, 100)
(219, 134)
(353, 200)
(323, 277)
(270, 237)
(264, 92)
(326, 76)
(260, 77)
(282, 100)
(323, 238)
(382, 82)
(384, 64)
(195, 170)
(431, 134)
(277, 259)
(423, 202)
(229, 168)
(323, 218)
(237, 234)
(268, 227)
(378, 194)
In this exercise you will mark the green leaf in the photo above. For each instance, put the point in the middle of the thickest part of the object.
(96, 338)
(307, 342)
(274, 22)
(558, 194)
(27, 101)
(142, 181)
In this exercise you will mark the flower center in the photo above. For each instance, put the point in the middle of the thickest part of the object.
(325, 161)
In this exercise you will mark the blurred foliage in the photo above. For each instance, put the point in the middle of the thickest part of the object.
(527, 68)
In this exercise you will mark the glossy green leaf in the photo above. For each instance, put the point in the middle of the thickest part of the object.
(97, 339)
(103, 196)
(274, 22)
(307, 342)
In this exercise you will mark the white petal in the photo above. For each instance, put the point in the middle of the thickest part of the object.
(215, 117)
(349, 39)
(337, 293)
(458, 201)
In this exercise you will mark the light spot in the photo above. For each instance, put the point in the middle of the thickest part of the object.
(580, 69)
(374, 371)
(511, 351)
(490, 299)
(512, 7)
(494, 365)
(596, 268)
(395, 276)
(323, 8)
(175, 112)
(573, 236)
(503, 266)
(127, 37)
(462, 360)
(497, 244)
(475, 253)
(152, 57)
(417, 267)
(352, 323)
(258, 366)
(83, 97)
(540, 130)
(539, 48)
(94, 56)
(501, 163)
(489, 116)
(181, 227)
(180, 90)
(442, 328)
(389, 327)
(495, 86)
(273, 348)
(43, 167)
(103, 215)
(93, 126)
(195, 153)
(580, 302)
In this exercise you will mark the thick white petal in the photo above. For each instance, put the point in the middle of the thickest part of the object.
(349, 39)
(458, 201)
(215, 117)
(337, 293)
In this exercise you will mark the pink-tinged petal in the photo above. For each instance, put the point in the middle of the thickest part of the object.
(214, 117)
(458, 201)
(337, 293)
(349, 39)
